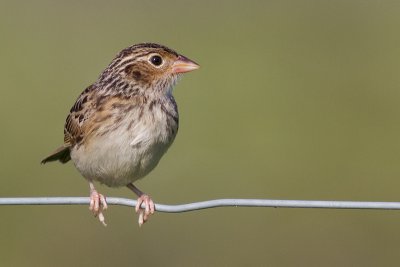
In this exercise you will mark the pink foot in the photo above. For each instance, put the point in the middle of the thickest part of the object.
(145, 213)
(97, 205)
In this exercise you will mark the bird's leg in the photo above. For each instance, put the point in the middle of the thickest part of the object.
(149, 208)
(97, 203)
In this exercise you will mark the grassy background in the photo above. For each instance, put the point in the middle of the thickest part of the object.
(294, 100)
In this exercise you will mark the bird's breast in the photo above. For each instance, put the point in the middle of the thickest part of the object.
(128, 146)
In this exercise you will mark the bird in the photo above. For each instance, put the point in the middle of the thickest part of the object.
(121, 125)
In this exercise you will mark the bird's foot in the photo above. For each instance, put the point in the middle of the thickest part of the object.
(148, 210)
(97, 205)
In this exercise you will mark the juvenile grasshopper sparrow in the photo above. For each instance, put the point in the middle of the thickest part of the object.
(121, 125)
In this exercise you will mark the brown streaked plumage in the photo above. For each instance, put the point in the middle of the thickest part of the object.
(121, 125)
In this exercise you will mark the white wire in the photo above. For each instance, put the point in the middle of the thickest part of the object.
(208, 204)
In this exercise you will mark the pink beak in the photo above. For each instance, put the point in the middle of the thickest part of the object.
(183, 64)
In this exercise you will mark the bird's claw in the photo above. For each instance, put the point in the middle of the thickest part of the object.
(97, 205)
(148, 210)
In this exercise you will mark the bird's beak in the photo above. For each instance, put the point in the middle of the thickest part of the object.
(183, 64)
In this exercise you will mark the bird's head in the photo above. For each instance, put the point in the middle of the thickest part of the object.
(145, 68)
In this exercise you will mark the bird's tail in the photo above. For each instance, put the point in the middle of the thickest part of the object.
(62, 154)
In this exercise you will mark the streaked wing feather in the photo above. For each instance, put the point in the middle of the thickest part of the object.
(80, 112)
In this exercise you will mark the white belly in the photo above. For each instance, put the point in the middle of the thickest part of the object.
(121, 157)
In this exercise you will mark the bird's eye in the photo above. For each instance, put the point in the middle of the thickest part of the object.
(156, 60)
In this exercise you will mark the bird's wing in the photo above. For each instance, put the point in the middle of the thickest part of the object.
(73, 129)
(80, 113)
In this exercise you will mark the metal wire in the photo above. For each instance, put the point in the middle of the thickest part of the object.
(208, 204)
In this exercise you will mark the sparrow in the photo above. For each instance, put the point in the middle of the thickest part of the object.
(121, 125)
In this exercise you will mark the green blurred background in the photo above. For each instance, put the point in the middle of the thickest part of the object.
(294, 100)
